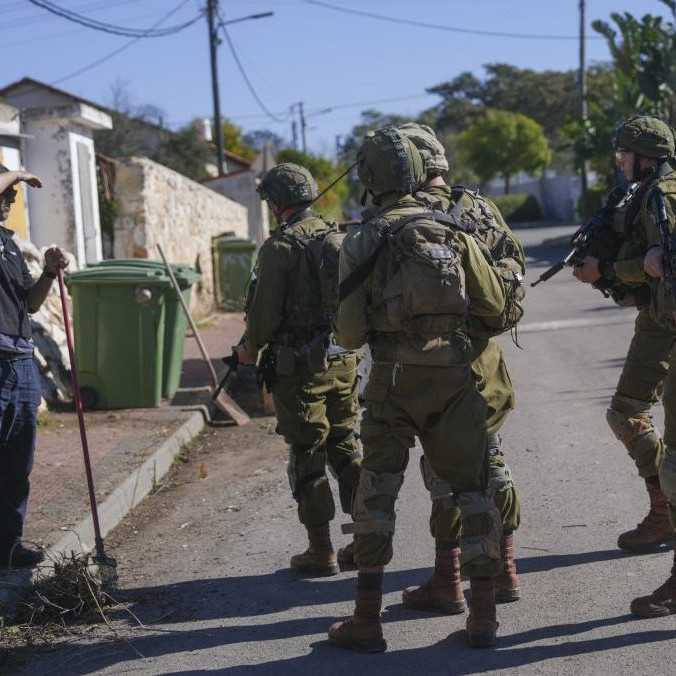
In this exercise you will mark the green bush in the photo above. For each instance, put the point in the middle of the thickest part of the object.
(590, 203)
(519, 208)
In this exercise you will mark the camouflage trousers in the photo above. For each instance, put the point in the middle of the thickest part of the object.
(317, 416)
(667, 468)
(443, 409)
(495, 386)
(640, 386)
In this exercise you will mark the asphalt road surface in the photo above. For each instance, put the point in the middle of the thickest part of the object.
(206, 564)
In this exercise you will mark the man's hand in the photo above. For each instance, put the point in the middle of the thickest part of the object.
(245, 355)
(653, 263)
(55, 260)
(31, 179)
(589, 271)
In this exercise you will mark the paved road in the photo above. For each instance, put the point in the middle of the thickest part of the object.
(220, 600)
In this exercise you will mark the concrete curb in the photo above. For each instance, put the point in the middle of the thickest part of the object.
(112, 510)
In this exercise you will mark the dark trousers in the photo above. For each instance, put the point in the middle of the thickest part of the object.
(19, 401)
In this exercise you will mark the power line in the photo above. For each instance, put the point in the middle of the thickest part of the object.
(244, 74)
(120, 49)
(40, 17)
(441, 27)
(111, 28)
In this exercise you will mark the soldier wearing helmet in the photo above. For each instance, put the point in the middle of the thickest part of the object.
(643, 147)
(410, 283)
(443, 591)
(645, 151)
(312, 380)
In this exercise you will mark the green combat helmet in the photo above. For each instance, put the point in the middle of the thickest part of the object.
(645, 136)
(388, 162)
(288, 185)
(426, 141)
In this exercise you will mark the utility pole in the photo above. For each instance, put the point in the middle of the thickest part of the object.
(303, 125)
(212, 12)
(583, 89)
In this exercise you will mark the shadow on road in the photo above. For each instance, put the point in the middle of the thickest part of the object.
(451, 656)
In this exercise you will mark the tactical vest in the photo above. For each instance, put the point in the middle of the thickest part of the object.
(312, 297)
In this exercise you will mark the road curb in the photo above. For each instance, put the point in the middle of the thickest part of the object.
(138, 485)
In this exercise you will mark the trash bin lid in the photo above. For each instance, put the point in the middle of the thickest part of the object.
(185, 274)
(118, 275)
(230, 244)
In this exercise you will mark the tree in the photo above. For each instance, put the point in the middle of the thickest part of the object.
(234, 142)
(504, 143)
(186, 152)
(324, 171)
(641, 79)
(259, 138)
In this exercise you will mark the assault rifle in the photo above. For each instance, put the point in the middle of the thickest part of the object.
(667, 239)
(594, 238)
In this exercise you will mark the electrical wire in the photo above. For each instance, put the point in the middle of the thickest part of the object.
(120, 49)
(41, 17)
(111, 28)
(442, 27)
(245, 76)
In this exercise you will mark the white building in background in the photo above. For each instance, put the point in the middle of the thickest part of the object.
(59, 147)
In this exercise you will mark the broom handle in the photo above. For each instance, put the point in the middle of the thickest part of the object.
(80, 416)
(191, 321)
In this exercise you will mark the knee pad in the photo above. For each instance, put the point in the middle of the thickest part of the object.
(481, 533)
(668, 476)
(370, 518)
(499, 475)
(637, 432)
(440, 490)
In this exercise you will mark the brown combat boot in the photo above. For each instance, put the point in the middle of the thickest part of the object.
(346, 558)
(661, 602)
(507, 587)
(481, 623)
(655, 529)
(319, 559)
(442, 593)
(363, 632)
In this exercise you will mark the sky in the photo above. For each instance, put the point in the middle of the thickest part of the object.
(327, 59)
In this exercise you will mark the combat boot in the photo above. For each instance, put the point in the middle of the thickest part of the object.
(442, 593)
(655, 529)
(661, 602)
(346, 558)
(507, 587)
(363, 632)
(482, 626)
(319, 559)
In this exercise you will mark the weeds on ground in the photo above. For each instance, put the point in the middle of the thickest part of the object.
(65, 598)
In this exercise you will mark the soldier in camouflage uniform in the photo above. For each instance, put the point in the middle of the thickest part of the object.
(645, 146)
(646, 143)
(313, 381)
(443, 592)
(408, 282)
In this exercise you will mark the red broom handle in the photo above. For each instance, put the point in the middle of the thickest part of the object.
(80, 416)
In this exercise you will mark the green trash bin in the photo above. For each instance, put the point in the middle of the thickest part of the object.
(119, 326)
(175, 321)
(233, 262)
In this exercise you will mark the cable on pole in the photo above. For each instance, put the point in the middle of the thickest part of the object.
(441, 27)
(112, 29)
(245, 76)
(120, 49)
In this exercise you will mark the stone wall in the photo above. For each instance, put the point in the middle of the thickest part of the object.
(158, 205)
(240, 186)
